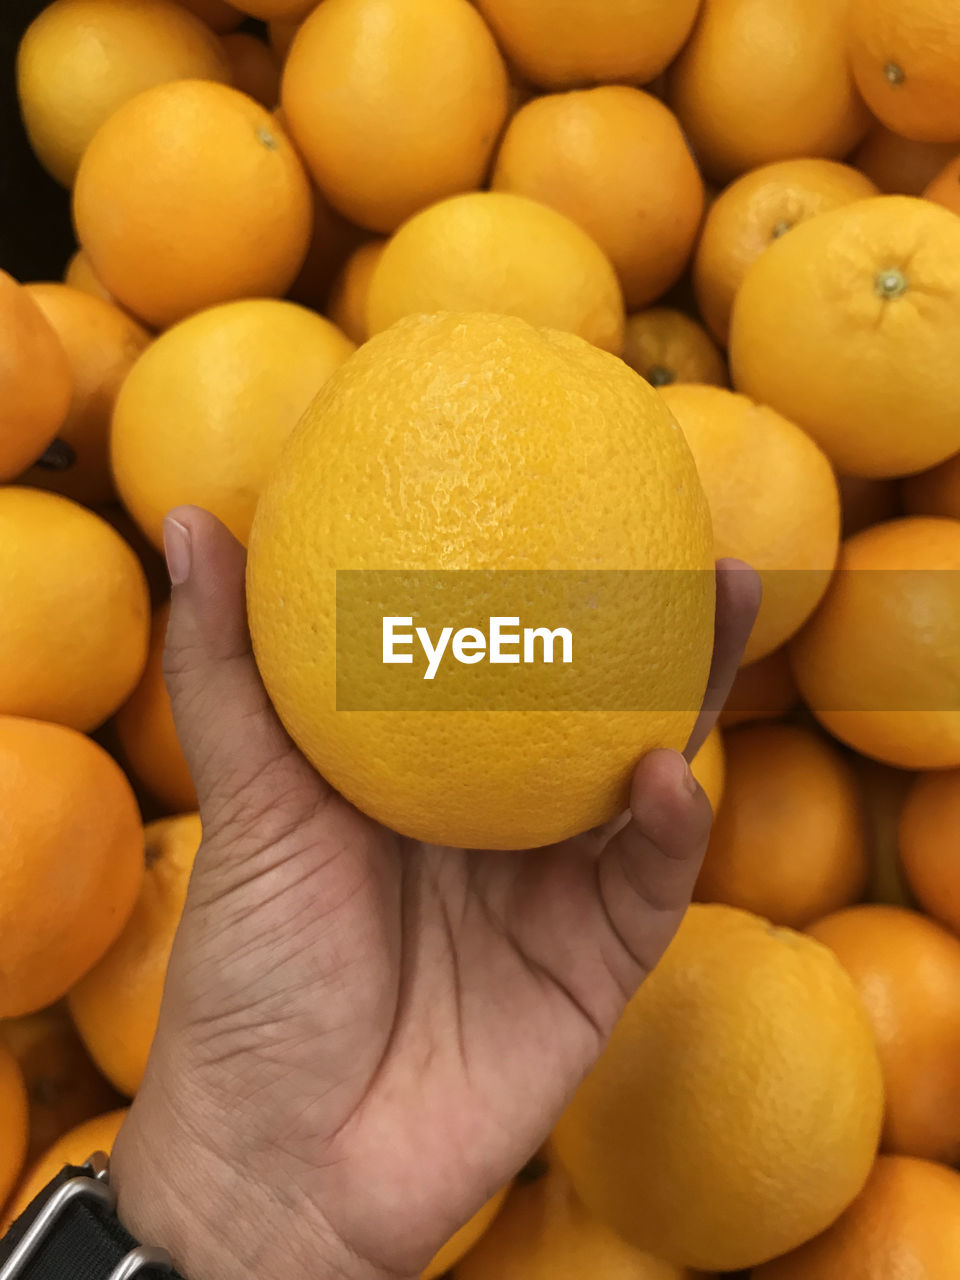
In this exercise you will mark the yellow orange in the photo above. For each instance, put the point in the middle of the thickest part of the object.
(789, 842)
(667, 346)
(878, 662)
(709, 767)
(929, 849)
(388, 125)
(60, 561)
(347, 304)
(898, 165)
(751, 213)
(254, 67)
(751, 460)
(203, 414)
(82, 59)
(614, 159)
(883, 790)
(494, 252)
(935, 492)
(865, 502)
(35, 379)
(101, 343)
(945, 187)
(762, 690)
(79, 274)
(850, 326)
(13, 1122)
(218, 15)
(225, 214)
(465, 1239)
(98, 1134)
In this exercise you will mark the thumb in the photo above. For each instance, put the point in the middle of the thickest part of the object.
(239, 754)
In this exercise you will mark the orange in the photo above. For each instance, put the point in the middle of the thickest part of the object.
(945, 187)
(64, 1088)
(79, 274)
(935, 492)
(151, 561)
(615, 160)
(75, 1147)
(436, 408)
(386, 124)
(544, 1233)
(900, 166)
(73, 828)
(751, 213)
(204, 413)
(332, 240)
(866, 502)
(116, 1005)
(789, 842)
(224, 214)
(773, 499)
(758, 82)
(217, 14)
(278, 10)
(82, 59)
(666, 346)
(762, 690)
(35, 379)
(736, 1109)
(906, 59)
(490, 251)
(709, 767)
(146, 732)
(850, 326)
(464, 1239)
(347, 305)
(280, 32)
(559, 44)
(907, 970)
(73, 637)
(13, 1122)
(883, 790)
(255, 68)
(878, 663)
(101, 343)
(929, 846)
(904, 1225)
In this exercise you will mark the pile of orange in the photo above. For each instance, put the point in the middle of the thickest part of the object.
(756, 207)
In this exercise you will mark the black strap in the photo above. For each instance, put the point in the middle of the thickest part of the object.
(85, 1243)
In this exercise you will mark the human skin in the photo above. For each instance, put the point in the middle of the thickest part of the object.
(363, 1038)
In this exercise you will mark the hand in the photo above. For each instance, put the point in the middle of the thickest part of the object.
(363, 1038)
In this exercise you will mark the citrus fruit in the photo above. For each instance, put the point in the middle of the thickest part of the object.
(789, 842)
(762, 690)
(385, 124)
(79, 274)
(614, 159)
(907, 970)
(146, 732)
(13, 1122)
(101, 343)
(60, 561)
(218, 15)
(945, 187)
(666, 346)
(898, 165)
(278, 10)
(906, 59)
(254, 67)
(865, 502)
(225, 214)
(74, 1148)
(879, 663)
(82, 59)
(151, 561)
(544, 1233)
(883, 790)
(935, 492)
(535, 425)
(466, 1237)
(116, 1005)
(72, 827)
(496, 252)
(849, 326)
(347, 304)
(751, 213)
(929, 849)
(759, 82)
(709, 767)
(332, 240)
(203, 414)
(905, 1222)
(280, 32)
(35, 380)
(736, 1110)
(773, 498)
(64, 1088)
(561, 43)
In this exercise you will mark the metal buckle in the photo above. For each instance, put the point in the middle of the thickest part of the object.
(141, 1259)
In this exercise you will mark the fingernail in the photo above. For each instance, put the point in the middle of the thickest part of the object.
(686, 777)
(176, 548)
